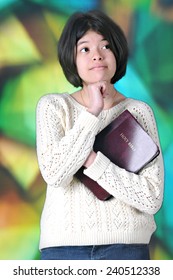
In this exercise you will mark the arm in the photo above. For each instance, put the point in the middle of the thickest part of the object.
(143, 191)
(61, 151)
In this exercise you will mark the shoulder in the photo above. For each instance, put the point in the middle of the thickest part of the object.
(139, 108)
(53, 100)
(143, 113)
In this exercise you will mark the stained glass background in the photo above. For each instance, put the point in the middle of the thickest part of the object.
(29, 31)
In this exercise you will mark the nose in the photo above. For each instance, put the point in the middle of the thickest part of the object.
(97, 56)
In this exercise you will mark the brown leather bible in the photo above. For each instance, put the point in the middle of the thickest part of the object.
(126, 144)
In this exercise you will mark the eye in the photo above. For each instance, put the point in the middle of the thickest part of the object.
(105, 47)
(84, 50)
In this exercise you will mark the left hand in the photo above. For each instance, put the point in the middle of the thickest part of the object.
(90, 159)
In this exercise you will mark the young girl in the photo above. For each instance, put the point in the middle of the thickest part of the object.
(75, 224)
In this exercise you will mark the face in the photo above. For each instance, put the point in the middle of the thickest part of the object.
(94, 60)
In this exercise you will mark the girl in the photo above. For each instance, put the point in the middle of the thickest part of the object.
(93, 53)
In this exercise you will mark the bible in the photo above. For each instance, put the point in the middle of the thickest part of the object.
(126, 144)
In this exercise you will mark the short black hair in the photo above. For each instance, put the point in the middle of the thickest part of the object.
(77, 25)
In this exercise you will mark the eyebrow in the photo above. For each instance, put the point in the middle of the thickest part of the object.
(83, 42)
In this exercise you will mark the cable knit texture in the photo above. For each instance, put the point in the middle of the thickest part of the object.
(72, 215)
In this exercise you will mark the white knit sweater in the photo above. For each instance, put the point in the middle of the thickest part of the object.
(72, 215)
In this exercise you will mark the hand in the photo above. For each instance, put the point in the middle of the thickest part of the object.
(96, 94)
(90, 159)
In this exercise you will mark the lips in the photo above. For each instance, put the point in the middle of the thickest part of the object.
(98, 67)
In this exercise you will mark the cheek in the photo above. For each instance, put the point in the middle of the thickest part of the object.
(81, 66)
(114, 64)
(78, 63)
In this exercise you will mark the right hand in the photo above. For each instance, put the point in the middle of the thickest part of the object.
(96, 94)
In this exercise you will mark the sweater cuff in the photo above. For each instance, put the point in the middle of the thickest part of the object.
(97, 168)
(89, 122)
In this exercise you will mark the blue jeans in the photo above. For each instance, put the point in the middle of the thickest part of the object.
(101, 252)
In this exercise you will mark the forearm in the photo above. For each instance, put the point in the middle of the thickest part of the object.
(61, 153)
(143, 191)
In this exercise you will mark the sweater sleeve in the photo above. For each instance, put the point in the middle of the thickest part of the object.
(61, 151)
(143, 191)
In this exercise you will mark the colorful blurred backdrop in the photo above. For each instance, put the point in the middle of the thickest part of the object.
(29, 31)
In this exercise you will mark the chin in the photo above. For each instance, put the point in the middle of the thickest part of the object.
(99, 79)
